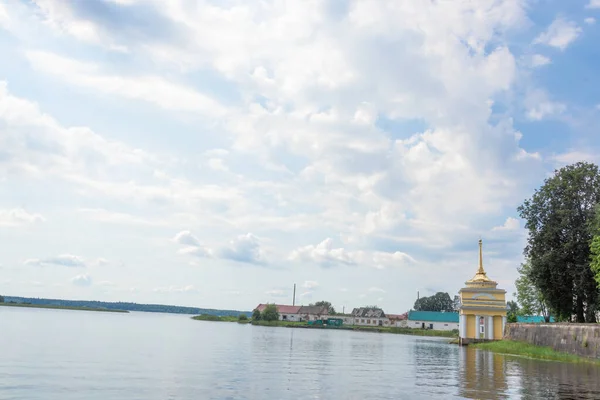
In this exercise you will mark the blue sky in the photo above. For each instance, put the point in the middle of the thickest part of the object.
(215, 153)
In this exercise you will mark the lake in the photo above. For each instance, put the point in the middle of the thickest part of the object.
(60, 354)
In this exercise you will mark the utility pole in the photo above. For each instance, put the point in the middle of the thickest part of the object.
(294, 300)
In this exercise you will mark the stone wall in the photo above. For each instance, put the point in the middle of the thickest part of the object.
(579, 339)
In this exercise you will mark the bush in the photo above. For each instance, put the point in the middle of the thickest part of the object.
(256, 315)
(242, 317)
(270, 313)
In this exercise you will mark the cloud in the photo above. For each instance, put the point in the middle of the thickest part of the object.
(82, 280)
(590, 20)
(560, 34)
(324, 254)
(244, 248)
(540, 107)
(376, 290)
(511, 224)
(186, 238)
(151, 89)
(114, 217)
(18, 217)
(573, 156)
(310, 284)
(276, 293)
(176, 289)
(107, 284)
(593, 4)
(64, 260)
(538, 60)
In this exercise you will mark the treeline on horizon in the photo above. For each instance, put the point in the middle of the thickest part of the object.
(161, 308)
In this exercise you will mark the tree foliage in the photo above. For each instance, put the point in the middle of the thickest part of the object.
(323, 303)
(256, 315)
(595, 246)
(243, 317)
(558, 218)
(1, 299)
(440, 301)
(270, 313)
(512, 312)
(530, 298)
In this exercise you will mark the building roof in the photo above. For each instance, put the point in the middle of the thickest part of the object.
(433, 316)
(315, 310)
(399, 317)
(368, 312)
(533, 319)
(281, 309)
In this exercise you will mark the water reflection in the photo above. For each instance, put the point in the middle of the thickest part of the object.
(485, 375)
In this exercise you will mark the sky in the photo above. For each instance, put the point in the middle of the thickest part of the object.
(214, 153)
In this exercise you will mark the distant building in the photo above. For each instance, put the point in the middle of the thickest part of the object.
(370, 317)
(398, 320)
(533, 319)
(312, 313)
(286, 313)
(439, 321)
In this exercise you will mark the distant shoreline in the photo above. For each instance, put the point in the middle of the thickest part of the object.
(359, 328)
(54, 307)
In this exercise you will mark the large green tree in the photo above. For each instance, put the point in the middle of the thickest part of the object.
(595, 246)
(530, 298)
(440, 301)
(558, 218)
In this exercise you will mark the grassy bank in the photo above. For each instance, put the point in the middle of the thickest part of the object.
(380, 329)
(532, 351)
(216, 318)
(60, 307)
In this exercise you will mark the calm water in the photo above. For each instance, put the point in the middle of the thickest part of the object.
(56, 354)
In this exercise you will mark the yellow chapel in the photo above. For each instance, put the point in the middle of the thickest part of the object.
(482, 313)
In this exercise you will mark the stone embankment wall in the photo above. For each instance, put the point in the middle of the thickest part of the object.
(580, 339)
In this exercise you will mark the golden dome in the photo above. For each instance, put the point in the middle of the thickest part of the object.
(480, 279)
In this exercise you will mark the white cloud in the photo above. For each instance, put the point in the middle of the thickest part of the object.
(573, 156)
(18, 217)
(538, 60)
(107, 284)
(82, 280)
(324, 254)
(310, 284)
(152, 89)
(176, 289)
(65, 260)
(511, 224)
(186, 238)
(244, 248)
(590, 20)
(593, 4)
(276, 293)
(376, 290)
(560, 34)
(540, 107)
(114, 217)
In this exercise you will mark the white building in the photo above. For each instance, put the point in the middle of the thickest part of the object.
(440, 321)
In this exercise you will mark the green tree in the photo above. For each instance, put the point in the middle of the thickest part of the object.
(256, 315)
(456, 303)
(440, 301)
(512, 312)
(243, 317)
(595, 246)
(270, 313)
(1, 299)
(327, 304)
(529, 297)
(558, 218)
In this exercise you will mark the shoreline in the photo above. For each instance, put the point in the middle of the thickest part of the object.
(304, 325)
(55, 307)
(521, 349)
